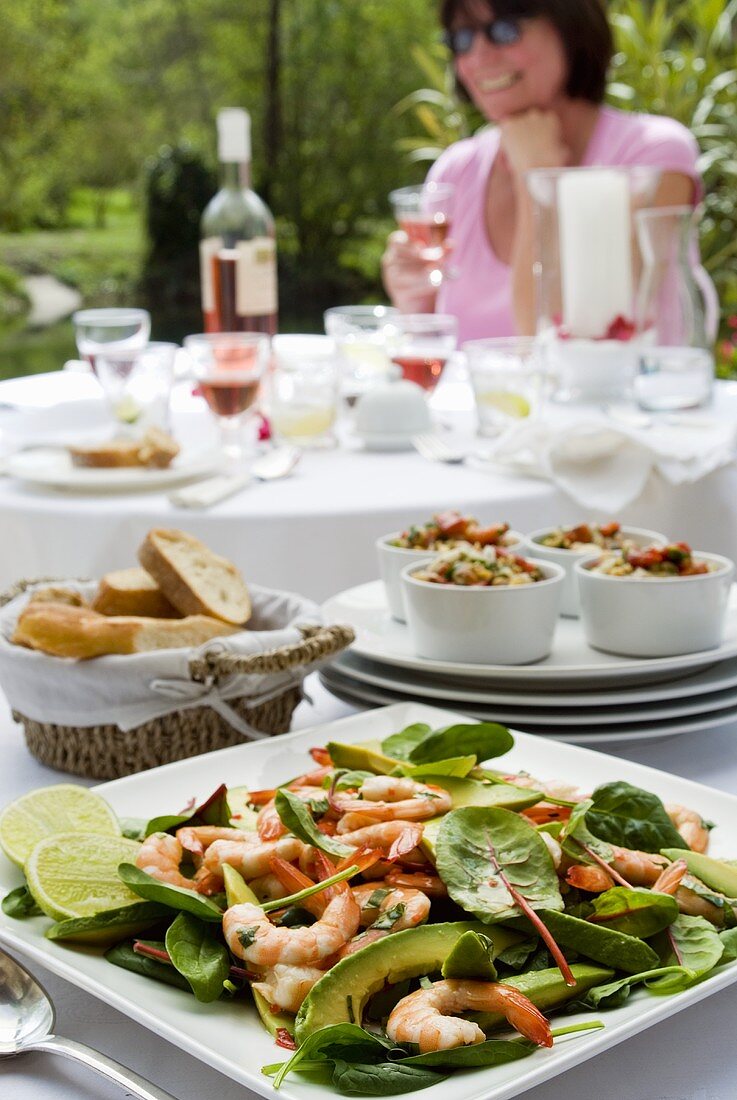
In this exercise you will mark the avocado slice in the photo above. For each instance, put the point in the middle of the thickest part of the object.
(366, 757)
(603, 945)
(714, 873)
(471, 958)
(469, 792)
(242, 816)
(430, 830)
(547, 990)
(340, 997)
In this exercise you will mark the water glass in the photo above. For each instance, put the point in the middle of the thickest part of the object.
(137, 384)
(425, 341)
(508, 380)
(228, 367)
(671, 378)
(96, 330)
(365, 337)
(303, 401)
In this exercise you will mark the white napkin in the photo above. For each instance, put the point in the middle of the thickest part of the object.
(604, 465)
(206, 493)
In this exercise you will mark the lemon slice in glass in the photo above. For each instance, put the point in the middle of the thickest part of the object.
(73, 875)
(511, 404)
(62, 808)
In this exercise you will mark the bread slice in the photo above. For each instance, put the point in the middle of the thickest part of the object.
(193, 578)
(132, 592)
(155, 449)
(64, 631)
(52, 594)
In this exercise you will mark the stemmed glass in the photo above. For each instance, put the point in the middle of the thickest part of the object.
(98, 330)
(424, 213)
(137, 384)
(228, 367)
(424, 343)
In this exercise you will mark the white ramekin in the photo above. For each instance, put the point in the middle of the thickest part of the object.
(655, 616)
(496, 625)
(570, 606)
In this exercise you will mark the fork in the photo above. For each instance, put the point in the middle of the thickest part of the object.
(434, 448)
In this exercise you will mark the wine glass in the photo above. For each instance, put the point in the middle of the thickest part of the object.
(97, 330)
(137, 384)
(423, 211)
(424, 343)
(364, 337)
(228, 367)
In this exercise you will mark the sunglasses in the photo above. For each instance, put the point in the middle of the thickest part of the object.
(500, 32)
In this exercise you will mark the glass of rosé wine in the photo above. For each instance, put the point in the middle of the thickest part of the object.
(228, 367)
(424, 343)
(424, 211)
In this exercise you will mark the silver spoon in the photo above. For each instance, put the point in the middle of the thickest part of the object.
(27, 1024)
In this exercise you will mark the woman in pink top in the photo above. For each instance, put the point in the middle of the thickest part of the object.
(536, 68)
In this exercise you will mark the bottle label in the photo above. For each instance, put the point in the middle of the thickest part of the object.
(208, 250)
(256, 292)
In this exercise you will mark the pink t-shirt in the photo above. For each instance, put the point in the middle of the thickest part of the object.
(480, 291)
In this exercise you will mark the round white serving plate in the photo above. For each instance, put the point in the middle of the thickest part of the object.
(572, 662)
(352, 692)
(52, 468)
(525, 707)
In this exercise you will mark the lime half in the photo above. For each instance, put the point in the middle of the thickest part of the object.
(511, 404)
(77, 876)
(63, 808)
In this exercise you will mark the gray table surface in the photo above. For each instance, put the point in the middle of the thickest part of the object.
(688, 1057)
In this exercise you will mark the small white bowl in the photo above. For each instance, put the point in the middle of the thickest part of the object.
(388, 414)
(570, 606)
(497, 625)
(655, 616)
(392, 560)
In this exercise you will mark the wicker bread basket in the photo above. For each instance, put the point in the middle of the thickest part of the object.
(108, 752)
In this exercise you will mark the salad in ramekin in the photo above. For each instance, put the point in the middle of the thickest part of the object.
(443, 531)
(486, 606)
(568, 545)
(656, 601)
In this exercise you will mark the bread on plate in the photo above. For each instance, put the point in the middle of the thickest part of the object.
(154, 449)
(193, 578)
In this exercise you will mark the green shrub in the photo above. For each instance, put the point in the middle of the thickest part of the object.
(14, 300)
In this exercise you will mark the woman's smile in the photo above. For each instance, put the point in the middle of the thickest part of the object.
(498, 83)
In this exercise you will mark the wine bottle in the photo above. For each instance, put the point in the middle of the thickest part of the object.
(237, 241)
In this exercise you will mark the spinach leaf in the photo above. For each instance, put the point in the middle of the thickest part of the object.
(614, 994)
(297, 819)
(603, 945)
(175, 897)
(457, 766)
(729, 943)
(384, 1079)
(124, 956)
(347, 780)
(111, 925)
(336, 1041)
(481, 739)
(20, 903)
(198, 956)
(494, 1052)
(400, 745)
(578, 842)
(471, 957)
(637, 912)
(213, 811)
(628, 816)
(474, 843)
(690, 942)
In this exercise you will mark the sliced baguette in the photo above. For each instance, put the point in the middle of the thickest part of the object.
(155, 449)
(52, 594)
(193, 578)
(132, 592)
(64, 631)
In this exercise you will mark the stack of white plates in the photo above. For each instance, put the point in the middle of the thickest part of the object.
(577, 694)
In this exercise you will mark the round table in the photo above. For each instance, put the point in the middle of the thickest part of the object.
(315, 531)
(685, 1058)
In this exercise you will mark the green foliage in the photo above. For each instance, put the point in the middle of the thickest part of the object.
(14, 300)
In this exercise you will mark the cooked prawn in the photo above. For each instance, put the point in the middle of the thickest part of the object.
(415, 905)
(690, 825)
(675, 880)
(555, 788)
(386, 798)
(251, 936)
(252, 858)
(395, 838)
(287, 986)
(269, 825)
(268, 888)
(429, 1017)
(197, 838)
(160, 856)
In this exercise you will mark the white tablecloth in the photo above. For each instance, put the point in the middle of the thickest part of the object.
(688, 1057)
(315, 531)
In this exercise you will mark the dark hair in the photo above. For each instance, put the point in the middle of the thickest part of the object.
(584, 30)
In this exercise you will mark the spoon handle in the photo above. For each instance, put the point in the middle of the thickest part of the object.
(109, 1068)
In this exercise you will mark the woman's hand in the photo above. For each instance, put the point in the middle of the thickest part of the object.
(533, 139)
(407, 276)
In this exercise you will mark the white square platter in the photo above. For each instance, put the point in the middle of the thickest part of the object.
(228, 1035)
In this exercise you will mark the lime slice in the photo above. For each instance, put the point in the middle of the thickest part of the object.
(63, 808)
(511, 404)
(126, 410)
(77, 876)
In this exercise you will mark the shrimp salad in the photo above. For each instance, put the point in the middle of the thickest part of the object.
(673, 560)
(394, 908)
(448, 529)
(485, 568)
(587, 536)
